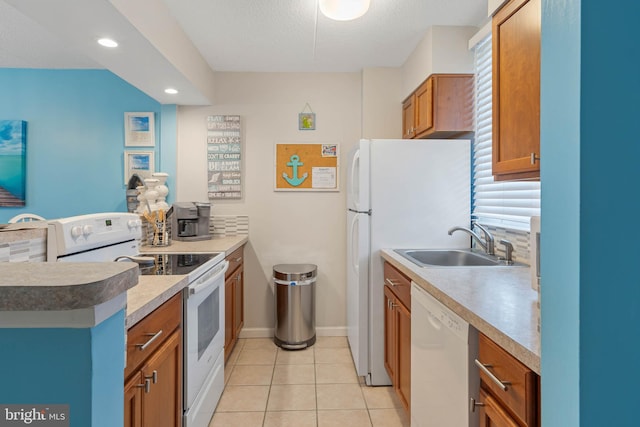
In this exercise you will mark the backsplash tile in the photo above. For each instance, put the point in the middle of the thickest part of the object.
(518, 238)
(23, 243)
(229, 225)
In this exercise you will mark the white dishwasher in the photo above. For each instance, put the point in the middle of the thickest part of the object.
(443, 377)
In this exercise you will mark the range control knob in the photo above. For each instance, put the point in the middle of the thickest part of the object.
(134, 223)
(76, 231)
(87, 229)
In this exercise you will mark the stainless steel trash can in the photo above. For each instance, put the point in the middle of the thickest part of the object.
(295, 293)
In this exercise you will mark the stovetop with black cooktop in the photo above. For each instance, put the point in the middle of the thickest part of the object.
(172, 264)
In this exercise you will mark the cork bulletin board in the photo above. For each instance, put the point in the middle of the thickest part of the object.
(306, 167)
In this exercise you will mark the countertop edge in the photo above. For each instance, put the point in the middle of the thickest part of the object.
(521, 352)
(105, 283)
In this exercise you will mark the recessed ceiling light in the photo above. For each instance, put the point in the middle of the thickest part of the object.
(170, 91)
(107, 43)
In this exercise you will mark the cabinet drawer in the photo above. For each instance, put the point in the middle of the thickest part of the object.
(159, 324)
(399, 284)
(235, 259)
(520, 396)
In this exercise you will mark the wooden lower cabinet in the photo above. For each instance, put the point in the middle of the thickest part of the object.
(492, 414)
(397, 346)
(162, 404)
(233, 300)
(133, 390)
(153, 376)
(515, 402)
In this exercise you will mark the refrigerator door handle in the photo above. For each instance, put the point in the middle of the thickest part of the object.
(354, 243)
(354, 161)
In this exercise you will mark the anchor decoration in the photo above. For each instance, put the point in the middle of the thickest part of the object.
(294, 163)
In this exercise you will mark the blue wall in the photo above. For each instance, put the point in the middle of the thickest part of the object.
(75, 138)
(591, 283)
(560, 227)
(82, 368)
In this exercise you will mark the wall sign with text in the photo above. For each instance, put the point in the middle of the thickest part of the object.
(224, 157)
(306, 167)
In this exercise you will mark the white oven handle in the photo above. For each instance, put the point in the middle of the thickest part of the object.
(209, 278)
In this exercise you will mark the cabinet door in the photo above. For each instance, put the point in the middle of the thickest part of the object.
(238, 303)
(492, 414)
(228, 315)
(133, 401)
(403, 352)
(162, 404)
(408, 118)
(516, 90)
(424, 107)
(389, 334)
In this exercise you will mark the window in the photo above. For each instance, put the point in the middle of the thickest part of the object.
(507, 204)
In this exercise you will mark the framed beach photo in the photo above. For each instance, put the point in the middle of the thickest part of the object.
(138, 162)
(13, 154)
(139, 130)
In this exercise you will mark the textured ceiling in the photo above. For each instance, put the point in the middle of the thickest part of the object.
(282, 35)
(180, 43)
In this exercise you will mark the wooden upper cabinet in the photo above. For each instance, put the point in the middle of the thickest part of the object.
(516, 90)
(441, 107)
(408, 115)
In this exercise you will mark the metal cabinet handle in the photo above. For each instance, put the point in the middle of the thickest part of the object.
(146, 385)
(390, 282)
(238, 259)
(502, 384)
(154, 337)
(534, 158)
(153, 376)
(473, 404)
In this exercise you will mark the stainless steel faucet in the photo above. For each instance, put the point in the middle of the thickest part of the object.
(487, 245)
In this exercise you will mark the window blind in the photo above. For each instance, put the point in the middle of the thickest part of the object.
(507, 204)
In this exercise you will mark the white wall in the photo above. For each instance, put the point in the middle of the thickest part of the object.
(382, 103)
(285, 227)
(444, 49)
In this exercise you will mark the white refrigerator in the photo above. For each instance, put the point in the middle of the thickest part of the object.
(401, 194)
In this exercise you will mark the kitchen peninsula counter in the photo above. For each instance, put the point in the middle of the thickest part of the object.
(44, 286)
(497, 301)
(153, 291)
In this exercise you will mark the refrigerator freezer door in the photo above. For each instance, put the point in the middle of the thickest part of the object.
(358, 178)
(358, 289)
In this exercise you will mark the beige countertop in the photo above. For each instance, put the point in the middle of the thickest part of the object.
(225, 244)
(497, 301)
(153, 291)
(44, 286)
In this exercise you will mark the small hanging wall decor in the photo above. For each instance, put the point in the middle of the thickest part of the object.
(307, 120)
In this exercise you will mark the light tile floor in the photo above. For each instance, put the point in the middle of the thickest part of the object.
(266, 386)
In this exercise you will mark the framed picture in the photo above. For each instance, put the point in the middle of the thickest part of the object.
(138, 162)
(13, 155)
(307, 121)
(139, 130)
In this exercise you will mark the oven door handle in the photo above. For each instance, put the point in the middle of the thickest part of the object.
(208, 279)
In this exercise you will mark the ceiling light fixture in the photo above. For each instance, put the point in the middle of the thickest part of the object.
(344, 10)
(171, 91)
(107, 42)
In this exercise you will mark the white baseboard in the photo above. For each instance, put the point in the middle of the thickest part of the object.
(324, 331)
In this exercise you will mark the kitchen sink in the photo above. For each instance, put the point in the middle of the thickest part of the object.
(451, 258)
